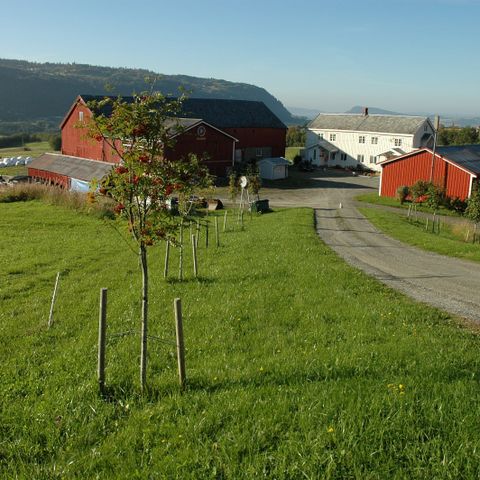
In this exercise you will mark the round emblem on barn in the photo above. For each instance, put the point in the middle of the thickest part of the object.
(201, 131)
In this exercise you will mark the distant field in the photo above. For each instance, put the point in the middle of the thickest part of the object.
(35, 149)
(298, 365)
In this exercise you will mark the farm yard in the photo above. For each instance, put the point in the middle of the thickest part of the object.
(298, 365)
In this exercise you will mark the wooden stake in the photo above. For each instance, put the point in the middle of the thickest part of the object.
(54, 296)
(180, 260)
(197, 234)
(194, 251)
(241, 220)
(426, 225)
(167, 256)
(225, 221)
(177, 304)
(102, 329)
(206, 233)
(217, 237)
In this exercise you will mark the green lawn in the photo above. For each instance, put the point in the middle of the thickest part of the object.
(448, 242)
(299, 366)
(375, 199)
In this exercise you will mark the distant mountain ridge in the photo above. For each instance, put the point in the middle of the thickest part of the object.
(31, 91)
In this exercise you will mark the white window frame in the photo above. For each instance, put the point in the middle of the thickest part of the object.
(80, 116)
(361, 158)
(373, 159)
(374, 140)
(259, 151)
(333, 137)
(397, 142)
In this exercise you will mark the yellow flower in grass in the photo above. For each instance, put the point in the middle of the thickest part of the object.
(330, 429)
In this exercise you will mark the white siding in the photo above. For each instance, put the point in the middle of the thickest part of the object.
(347, 142)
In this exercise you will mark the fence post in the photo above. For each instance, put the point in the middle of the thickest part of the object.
(197, 237)
(225, 221)
(217, 237)
(102, 328)
(206, 234)
(180, 342)
(54, 296)
(194, 251)
(167, 255)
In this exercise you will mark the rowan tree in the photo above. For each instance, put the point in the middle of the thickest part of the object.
(139, 131)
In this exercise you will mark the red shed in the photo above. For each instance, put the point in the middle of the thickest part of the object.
(455, 168)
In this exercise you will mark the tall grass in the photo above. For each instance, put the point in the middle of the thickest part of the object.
(81, 202)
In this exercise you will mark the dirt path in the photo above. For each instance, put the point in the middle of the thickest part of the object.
(447, 283)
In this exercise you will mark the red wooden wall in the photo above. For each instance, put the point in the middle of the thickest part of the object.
(260, 137)
(417, 166)
(76, 143)
(49, 177)
(217, 147)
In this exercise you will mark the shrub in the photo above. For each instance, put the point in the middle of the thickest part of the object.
(418, 190)
(297, 159)
(402, 193)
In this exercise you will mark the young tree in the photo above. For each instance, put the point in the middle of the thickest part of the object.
(139, 132)
(473, 208)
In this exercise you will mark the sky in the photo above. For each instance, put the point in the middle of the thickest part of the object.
(408, 56)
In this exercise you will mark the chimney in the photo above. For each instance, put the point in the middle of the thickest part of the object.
(365, 111)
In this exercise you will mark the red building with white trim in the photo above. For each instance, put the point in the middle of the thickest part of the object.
(455, 168)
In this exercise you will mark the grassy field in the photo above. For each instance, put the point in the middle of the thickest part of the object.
(298, 366)
(35, 149)
(375, 199)
(450, 241)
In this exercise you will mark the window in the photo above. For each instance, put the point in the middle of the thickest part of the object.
(343, 156)
(398, 142)
(320, 136)
(373, 159)
(361, 158)
(374, 140)
(314, 153)
(333, 155)
(333, 137)
(80, 116)
(361, 139)
(259, 152)
(425, 127)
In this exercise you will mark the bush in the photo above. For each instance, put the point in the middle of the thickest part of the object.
(418, 190)
(55, 142)
(297, 159)
(402, 193)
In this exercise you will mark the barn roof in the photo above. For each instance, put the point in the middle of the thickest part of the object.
(221, 113)
(401, 124)
(74, 167)
(467, 156)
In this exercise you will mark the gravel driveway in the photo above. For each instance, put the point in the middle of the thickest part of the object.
(448, 283)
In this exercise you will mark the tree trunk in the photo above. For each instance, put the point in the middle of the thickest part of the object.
(143, 351)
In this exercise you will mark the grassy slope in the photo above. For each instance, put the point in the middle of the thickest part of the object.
(294, 362)
(291, 152)
(446, 243)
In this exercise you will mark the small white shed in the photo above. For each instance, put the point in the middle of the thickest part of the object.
(273, 168)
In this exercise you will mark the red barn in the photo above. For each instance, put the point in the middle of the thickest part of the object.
(455, 168)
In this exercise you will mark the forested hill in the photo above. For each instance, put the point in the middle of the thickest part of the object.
(32, 91)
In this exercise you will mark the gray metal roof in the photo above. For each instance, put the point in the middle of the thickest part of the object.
(401, 124)
(467, 156)
(73, 167)
(221, 113)
(275, 161)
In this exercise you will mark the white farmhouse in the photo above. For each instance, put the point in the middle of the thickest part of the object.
(350, 140)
